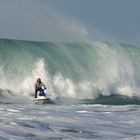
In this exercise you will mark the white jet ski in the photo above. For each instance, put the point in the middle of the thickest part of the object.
(41, 97)
(42, 100)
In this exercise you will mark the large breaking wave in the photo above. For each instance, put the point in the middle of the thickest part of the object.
(70, 70)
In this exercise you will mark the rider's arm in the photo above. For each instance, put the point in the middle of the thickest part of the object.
(35, 86)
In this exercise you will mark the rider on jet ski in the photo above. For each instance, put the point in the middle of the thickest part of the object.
(39, 86)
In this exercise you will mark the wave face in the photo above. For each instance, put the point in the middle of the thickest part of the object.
(71, 70)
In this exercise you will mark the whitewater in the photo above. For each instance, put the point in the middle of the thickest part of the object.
(94, 87)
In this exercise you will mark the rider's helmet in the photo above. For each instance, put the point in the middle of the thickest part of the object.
(38, 80)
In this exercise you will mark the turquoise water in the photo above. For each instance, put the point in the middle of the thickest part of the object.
(71, 70)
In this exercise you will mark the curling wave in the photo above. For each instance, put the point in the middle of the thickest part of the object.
(70, 70)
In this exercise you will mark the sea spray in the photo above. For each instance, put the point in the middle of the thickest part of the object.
(70, 70)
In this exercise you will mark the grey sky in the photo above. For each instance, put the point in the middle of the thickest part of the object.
(71, 20)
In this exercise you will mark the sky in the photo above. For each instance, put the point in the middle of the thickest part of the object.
(71, 20)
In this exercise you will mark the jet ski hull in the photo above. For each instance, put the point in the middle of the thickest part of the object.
(40, 101)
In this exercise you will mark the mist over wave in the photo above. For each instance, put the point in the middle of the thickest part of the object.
(70, 70)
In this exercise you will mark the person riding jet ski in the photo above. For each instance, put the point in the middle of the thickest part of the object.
(39, 87)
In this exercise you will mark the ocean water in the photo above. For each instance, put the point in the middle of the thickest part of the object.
(69, 122)
(94, 87)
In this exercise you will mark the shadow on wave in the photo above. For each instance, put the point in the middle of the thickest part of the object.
(112, 100)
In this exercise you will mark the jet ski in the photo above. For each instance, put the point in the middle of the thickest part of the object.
(41, 97)
(42, 100)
